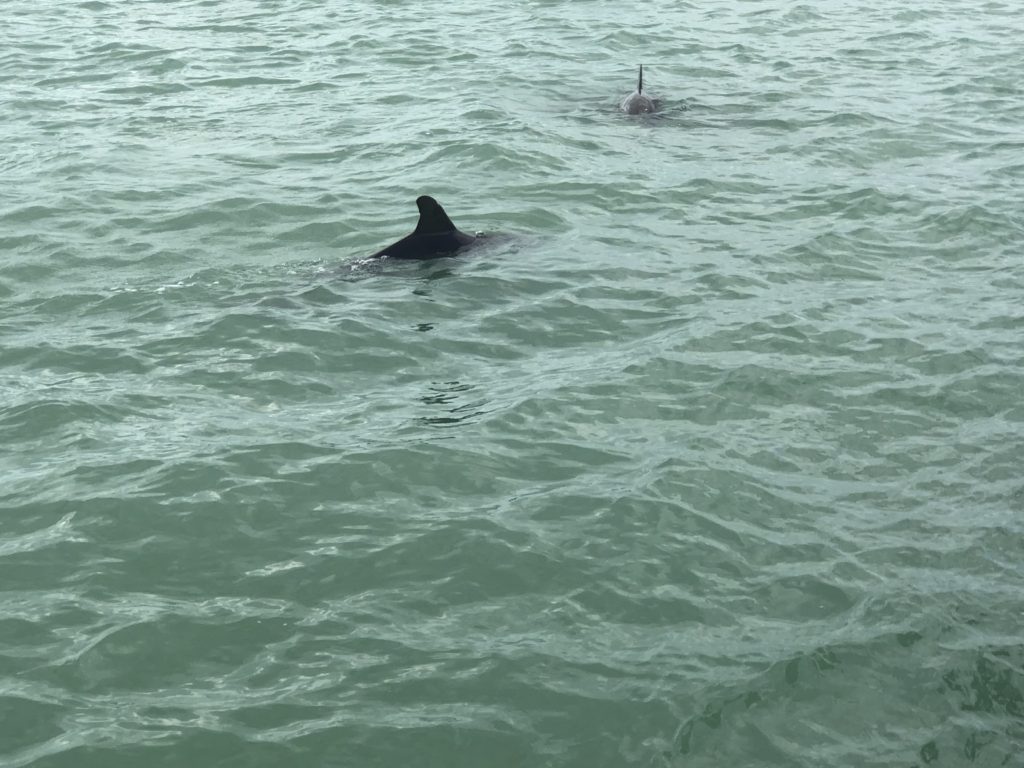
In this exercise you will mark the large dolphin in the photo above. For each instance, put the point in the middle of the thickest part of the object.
(638, 102)
(435, 235)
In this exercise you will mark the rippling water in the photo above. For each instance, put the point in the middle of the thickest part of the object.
(712, 459)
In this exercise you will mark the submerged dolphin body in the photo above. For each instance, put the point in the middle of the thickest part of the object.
(434, 236)
(638, 102)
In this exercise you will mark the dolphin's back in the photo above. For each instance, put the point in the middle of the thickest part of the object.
(416, 246)
(638, 102)
(435, 235)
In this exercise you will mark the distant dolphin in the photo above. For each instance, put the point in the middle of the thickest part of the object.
(435, 235)
(639, 103)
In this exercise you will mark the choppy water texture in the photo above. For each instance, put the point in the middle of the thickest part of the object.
(714, 460)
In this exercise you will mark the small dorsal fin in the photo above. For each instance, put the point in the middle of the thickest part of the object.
(433, 219)
(640, 82)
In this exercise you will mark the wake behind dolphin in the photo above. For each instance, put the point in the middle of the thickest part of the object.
(638, 102)
(434, 236)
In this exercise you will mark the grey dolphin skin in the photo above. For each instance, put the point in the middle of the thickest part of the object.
(434, 236)
(638, 102)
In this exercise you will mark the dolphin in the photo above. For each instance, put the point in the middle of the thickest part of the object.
(638, 102)
(435, 235)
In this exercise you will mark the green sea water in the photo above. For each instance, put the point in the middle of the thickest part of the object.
(712, 456)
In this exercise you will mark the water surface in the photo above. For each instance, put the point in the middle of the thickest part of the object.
(712, 459)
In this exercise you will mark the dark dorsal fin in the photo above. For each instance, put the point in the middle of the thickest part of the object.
(640, 82)
(433, 219)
